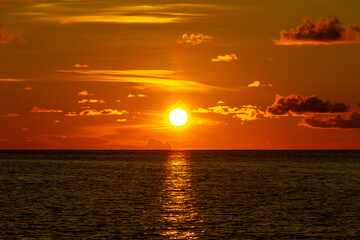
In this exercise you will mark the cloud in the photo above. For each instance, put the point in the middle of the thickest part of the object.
(245, 112)
(104, 112)
(78, 65)
(249, 113)
(220, 102)
(132, 72)
(97, 13)
(226, 58)
(12, 79)
(194, 39)
(258, 84)
(8, 37)
(336, 122)
(12, 1)
(63, 22)
(121, 120)
(71, 114)
(158, 145)
(96, 101)
(91, 101)
(10, 115)
(112, 18)
(158, 78)
(83, 93)
(44, 110)
(9, 1)
(83, 101)
(299, 105)
(139, 95)
(324, 31)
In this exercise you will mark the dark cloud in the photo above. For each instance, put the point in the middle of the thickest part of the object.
(7, 37)
(157, 144)
(299, 105)
(337, 121)
(323, 31)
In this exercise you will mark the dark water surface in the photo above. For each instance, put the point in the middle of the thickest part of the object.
(180, 194)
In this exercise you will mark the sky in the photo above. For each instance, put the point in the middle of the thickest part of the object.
(251, 74)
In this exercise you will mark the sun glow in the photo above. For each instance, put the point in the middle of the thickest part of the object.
(178, 117)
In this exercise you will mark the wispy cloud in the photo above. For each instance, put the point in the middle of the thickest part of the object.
(324, 31)
(94, 112)
(91, 101)
(78, 65)
(71, 114)
(194, 39)
(132, 72)
(14, 1)
(258, 84)
(8, 37)
(12, 80)
(116, 19)
(104, 112)
(245, 112)
(83, 93)
(64, 22)
(73, 12)
(10, 115)
(225, 58)
(158, 78)
(45, 110)
(139, 95)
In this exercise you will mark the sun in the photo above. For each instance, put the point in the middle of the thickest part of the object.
(178, 117)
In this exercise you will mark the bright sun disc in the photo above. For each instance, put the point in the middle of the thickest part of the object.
(178, 117)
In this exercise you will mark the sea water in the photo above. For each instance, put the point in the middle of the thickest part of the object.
(180, 194)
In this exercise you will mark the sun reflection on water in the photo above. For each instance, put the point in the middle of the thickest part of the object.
(180, 216)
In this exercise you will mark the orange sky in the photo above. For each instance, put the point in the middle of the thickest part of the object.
(251, 74)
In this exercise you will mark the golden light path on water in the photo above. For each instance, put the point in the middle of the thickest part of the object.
(180, 215)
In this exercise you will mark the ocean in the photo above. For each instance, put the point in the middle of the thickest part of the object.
(180, 194)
